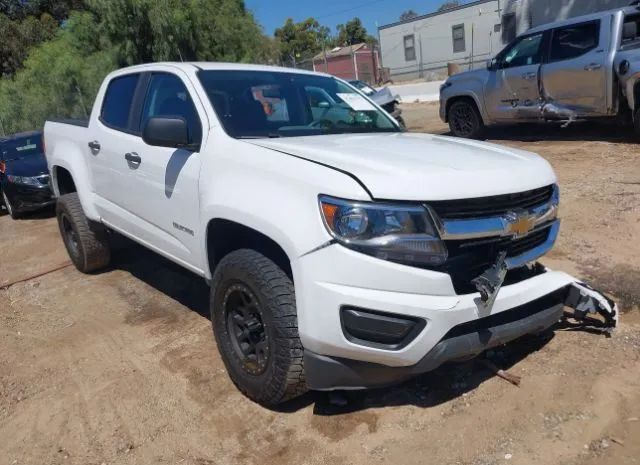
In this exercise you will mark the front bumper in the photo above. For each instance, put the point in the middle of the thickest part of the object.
(461, 341)
(28, 198)
(331, 278)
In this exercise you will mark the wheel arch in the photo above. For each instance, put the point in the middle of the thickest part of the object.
(224, 236)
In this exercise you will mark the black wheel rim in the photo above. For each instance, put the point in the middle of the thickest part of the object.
(70, 236)
(246, 329)
(463, 120)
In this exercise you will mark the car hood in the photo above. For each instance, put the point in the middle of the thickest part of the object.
(410, 166)
(32, 165)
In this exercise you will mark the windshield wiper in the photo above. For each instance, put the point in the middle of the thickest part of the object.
(271, 135)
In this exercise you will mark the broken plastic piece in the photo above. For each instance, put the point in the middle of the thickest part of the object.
(489, 283)
(584, 300)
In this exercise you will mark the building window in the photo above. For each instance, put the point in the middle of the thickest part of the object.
(458, 38)
(409, 48)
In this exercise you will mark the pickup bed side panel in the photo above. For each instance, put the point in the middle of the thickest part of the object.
(64, 149)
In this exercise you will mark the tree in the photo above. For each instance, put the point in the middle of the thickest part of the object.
(449, 4)
(301, 40)
(353, 32)
(156, 30)
(60, 77)
(407, 15)
(18, 36)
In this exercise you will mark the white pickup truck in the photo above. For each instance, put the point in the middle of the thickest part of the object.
(341, 251)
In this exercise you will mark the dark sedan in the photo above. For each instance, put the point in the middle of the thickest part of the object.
(24, 176)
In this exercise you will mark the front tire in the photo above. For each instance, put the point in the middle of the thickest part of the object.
(86, 242)
(10, 209)
(465, 120)
(254, 318)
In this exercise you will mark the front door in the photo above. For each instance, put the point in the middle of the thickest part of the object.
(575, 77)
(512, 91)
(164, 182)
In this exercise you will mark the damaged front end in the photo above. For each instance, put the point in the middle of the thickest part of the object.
(502, 246)
(582, 298)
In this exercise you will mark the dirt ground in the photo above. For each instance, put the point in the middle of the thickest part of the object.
(121, 367)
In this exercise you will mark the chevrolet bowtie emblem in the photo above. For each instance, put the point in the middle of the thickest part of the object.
(519, 224)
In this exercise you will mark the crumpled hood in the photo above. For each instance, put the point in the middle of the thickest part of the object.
(411, 166)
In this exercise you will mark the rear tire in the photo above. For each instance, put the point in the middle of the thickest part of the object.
(254, 318)
(465, 120)
(10, 209)
(87, 242)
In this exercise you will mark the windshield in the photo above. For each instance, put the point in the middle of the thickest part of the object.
(256, 104)
(21, 148)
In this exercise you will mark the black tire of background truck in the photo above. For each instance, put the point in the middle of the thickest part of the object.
(7, 205)
(465, 120)
(636, 122)
(87, 242)
(281, 375)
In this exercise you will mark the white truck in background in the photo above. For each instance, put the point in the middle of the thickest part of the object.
(341, 251)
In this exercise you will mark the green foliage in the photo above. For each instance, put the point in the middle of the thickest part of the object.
(407, 15)
(60, 78)
(161, 30)
(301, 40)
(67, 61)
(18, 36)
(449, 4)
(353, 32)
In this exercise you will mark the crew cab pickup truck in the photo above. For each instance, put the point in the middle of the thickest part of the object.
(583, 68)
(341, 251)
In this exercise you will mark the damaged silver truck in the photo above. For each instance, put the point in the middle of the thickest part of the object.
(583, 68)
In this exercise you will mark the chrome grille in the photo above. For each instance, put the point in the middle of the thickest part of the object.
(491, 206)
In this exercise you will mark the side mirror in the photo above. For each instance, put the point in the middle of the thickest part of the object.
(492, 64)
(163, 131)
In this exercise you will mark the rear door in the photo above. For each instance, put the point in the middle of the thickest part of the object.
(575, 76)
(110, 136)
(512, 90)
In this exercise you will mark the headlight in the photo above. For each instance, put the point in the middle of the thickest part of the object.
(27, 180)
(399, 233)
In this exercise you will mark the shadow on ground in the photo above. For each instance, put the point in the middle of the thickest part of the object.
(575, 132)
(434, 388)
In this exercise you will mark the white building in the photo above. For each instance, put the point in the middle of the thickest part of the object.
(470, 34)
(421, 47)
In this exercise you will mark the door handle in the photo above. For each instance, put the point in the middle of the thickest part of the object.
(529, 76)
(592, 66)
(94, 145)
(133, 157)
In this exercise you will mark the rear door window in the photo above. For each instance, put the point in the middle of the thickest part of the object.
(574, 41)
(116, 107)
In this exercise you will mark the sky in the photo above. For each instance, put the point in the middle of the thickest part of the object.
(273, 13)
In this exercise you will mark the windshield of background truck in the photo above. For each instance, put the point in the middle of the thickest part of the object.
(256, 104)
(21, 148)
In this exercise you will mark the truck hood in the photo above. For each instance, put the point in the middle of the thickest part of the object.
(410, 166)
